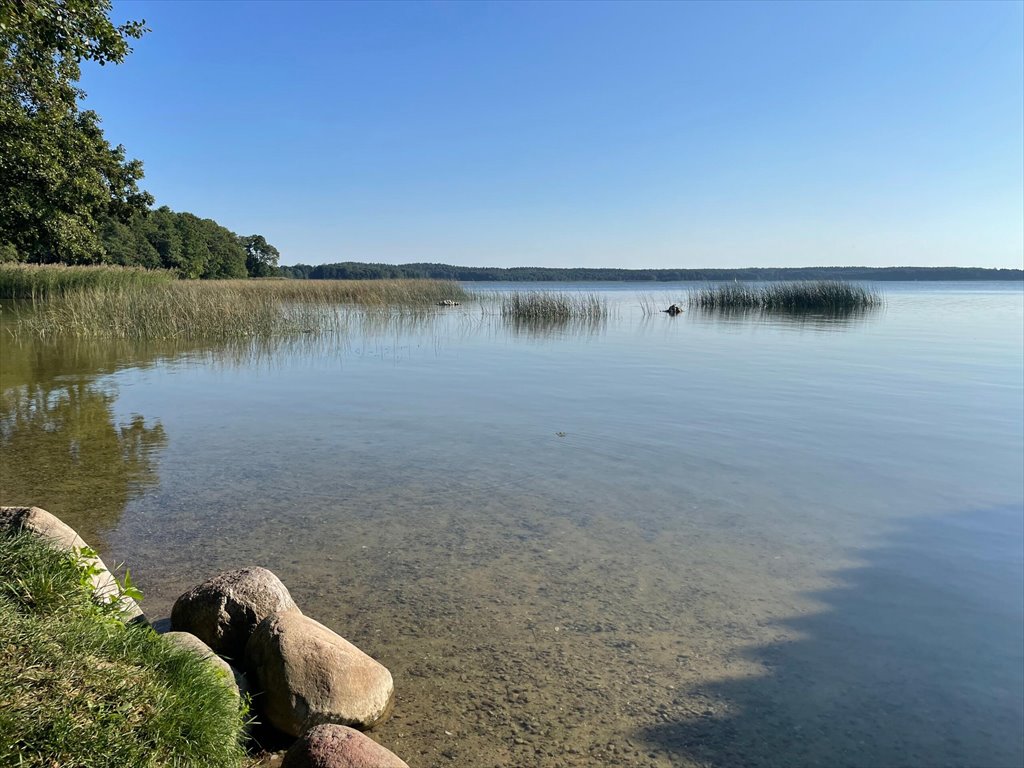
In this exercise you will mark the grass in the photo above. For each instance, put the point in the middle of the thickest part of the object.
(818, 296)
(136, 305)
(553, 306)
(80, 688)
(41, 282)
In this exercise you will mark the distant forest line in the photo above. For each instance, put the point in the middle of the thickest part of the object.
(352, 270)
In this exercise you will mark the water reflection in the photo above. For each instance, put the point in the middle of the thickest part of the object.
(62, 446)
(552, 327)
(832, 320)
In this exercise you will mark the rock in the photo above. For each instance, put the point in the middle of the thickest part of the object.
(232, 677)
(335, 746)
(223, 611)
(309, 675)
(58, 534)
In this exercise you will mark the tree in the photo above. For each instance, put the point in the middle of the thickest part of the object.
(260, 256)
(59, 177)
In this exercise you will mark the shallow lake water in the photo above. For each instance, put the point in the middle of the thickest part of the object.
(701, 540)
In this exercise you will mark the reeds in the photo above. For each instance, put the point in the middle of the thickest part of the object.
(43, 281)
(827, 296)
(139, 308)
(366, 293)
(552, 306)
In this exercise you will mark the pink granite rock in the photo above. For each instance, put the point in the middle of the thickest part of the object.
(337, 746)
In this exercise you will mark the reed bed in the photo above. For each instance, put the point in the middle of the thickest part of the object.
(44, 281)
(552, 306)
(221, 309)
(816, 296)
(367, 293)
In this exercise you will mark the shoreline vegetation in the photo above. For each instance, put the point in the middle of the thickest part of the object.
(351, 270)
(136, 304)
(82, 687)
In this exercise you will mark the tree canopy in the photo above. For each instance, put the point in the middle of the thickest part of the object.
(58, 174)
(67, 195)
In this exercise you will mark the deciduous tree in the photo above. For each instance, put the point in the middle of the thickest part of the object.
(59, 177)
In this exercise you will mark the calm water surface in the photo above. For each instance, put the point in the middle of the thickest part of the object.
(655, 541)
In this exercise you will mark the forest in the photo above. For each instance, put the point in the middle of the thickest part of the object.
(351, 270)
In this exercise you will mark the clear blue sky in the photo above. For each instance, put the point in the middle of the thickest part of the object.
(585, 134)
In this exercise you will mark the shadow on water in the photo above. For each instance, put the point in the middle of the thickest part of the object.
(916, 659)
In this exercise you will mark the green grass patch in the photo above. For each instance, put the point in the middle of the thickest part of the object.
(815, 296)
(80, 688)
(45, 281)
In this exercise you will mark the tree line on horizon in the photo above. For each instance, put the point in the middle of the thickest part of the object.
(353, 270)
(66, 195)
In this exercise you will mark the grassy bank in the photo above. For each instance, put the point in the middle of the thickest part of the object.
(821, 296)
(78, 687)
(106, 302)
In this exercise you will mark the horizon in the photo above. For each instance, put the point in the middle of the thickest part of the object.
(726, 268)
(612, 135)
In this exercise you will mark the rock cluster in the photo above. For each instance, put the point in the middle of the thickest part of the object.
(304, 679)
(302, 674)
(224, 611)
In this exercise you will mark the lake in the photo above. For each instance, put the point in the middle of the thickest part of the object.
(703, 540)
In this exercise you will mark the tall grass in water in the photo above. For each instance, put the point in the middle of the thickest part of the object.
(819, 296)
(553, 306)
(366, 293)
(44, 281)
(221, 309)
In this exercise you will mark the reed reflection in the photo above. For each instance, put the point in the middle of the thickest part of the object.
(831, 320)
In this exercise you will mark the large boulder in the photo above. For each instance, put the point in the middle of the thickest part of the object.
(234, 679)
(224, 611)
(336, 746)
(59, 535)
(309, 675)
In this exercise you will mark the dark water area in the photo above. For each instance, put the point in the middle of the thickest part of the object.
(707, 540)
